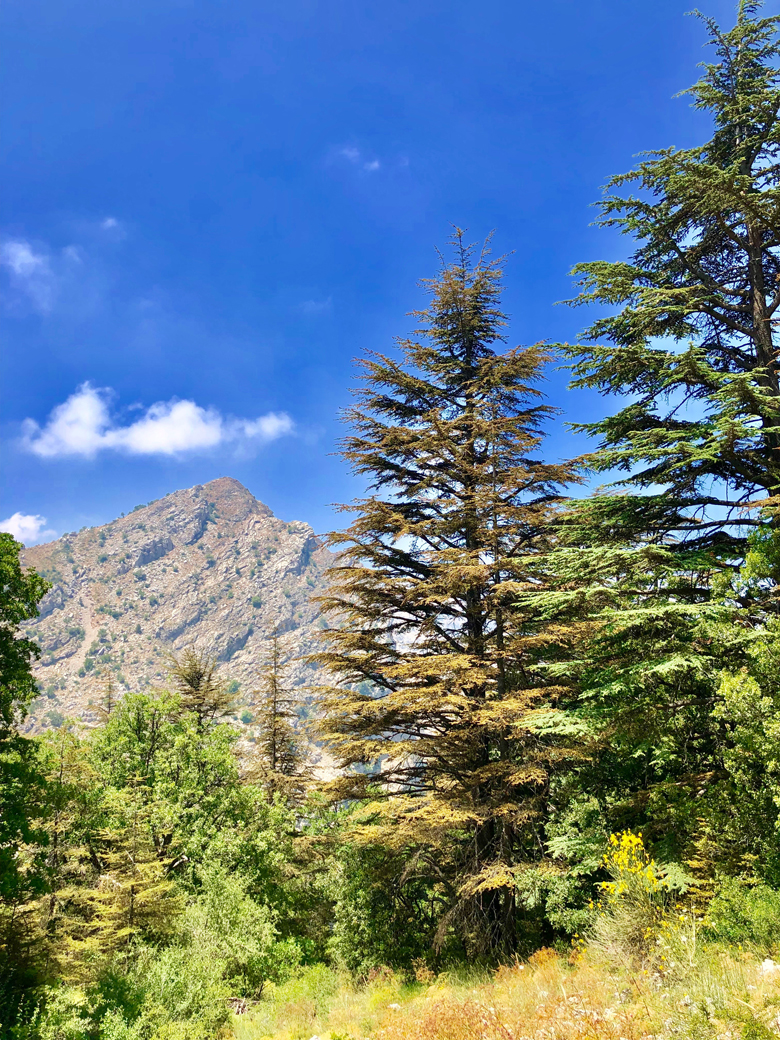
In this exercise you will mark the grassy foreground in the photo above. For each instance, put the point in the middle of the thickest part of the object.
(722, 993)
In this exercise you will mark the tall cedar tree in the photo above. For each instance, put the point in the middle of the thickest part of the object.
(689, 341)
(436, 678)
(279, 764)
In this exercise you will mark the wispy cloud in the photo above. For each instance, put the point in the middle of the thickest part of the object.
(47, 279)
(30, 273)
(27, 528)
(70, 280)
(359, 158)
(83, 426)
(113, 230)
(316, 306)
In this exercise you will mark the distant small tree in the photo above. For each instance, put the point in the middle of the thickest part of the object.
(202, 691)
(280, 762)
(109, 697)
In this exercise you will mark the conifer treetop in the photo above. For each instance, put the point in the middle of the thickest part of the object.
(690, 339)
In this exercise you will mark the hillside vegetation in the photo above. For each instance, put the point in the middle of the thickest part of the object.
(530, 786)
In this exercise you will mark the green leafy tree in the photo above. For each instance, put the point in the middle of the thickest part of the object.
(20, 780)
(385, 912)
(184, 768)
(225, 923)
(131, 807)
(439, 709)
(20, 593)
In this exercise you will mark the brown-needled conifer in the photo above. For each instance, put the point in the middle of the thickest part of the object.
(438, 710)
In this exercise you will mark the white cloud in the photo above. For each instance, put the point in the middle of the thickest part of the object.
(30, 272)
(26, 528)
(266, 428)
(83, 426)
(109, 223)
(357, 157)
(77, 427)
(167, 428)
(19, 257)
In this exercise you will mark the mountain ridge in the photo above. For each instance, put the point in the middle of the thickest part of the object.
(208, 567)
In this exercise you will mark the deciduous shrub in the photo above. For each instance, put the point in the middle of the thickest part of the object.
(746, 915)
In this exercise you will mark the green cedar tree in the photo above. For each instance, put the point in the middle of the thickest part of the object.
(690, 337)
(656, 559)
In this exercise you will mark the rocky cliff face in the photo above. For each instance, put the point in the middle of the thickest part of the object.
(209, 567)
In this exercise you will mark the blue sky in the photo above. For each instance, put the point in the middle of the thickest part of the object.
(210, 208)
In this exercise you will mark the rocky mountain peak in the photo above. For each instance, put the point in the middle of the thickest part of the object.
(229, 499)
(209, 567)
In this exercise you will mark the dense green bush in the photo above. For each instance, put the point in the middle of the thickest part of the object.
(227, 927)
(746, 915)
(376, 919)
(169, 994)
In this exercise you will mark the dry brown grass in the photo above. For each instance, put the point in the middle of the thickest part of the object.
(716, 995)
(545, 999)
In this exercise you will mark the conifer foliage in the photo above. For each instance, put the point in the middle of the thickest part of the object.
(195, 677)
(436, 675)
(657, 558)
(691, 343)
(279, 765)
(514, 683)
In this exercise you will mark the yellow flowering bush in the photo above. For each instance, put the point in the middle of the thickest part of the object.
(631, 867)
(634, 908)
